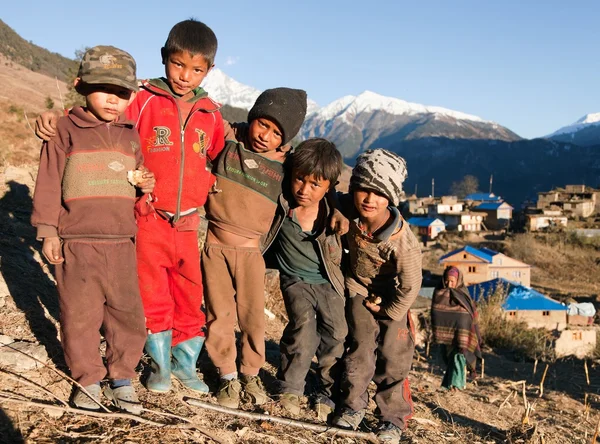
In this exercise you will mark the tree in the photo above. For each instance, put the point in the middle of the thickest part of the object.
(49, 103)
(468, 185)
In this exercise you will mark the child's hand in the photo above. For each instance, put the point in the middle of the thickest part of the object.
(338, 223)
(52, 250)
(147, 184)
(45, 125)
(373, 307)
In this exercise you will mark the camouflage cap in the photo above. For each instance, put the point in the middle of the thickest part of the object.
(108, 65)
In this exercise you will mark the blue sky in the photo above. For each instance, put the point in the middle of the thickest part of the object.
(530, 66)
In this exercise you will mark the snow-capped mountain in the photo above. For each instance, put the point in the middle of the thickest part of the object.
(585, 132)
(230, 92)
(349, 106)
(356, 123)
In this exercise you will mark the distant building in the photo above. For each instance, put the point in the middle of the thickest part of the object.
(537, 222)
(522, 303)
(445, 205)
(477, 198)
(464, 221)
(418, 205)
(482, 264)
(575, 200)
(499, 214)
(428, 228)
(539, 311)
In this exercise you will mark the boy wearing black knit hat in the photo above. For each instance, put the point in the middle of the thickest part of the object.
(240, 210)
(383, 280)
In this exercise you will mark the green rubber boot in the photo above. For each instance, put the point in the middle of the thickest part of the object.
(158, 347)
(185, 355)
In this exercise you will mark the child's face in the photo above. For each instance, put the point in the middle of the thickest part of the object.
(107, 102)
(370, 204)
(185, 72)
(308, 190)
(264, 135)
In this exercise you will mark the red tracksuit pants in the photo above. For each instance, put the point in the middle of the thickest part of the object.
(170, 277)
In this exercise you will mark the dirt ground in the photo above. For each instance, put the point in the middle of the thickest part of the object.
(490, 410)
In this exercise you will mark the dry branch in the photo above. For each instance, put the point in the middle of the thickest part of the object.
(542, 381)
(111, 415)
(26, 381)
(370, 437)
(587, 374)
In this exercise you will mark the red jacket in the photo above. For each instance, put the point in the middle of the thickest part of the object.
(174, 148)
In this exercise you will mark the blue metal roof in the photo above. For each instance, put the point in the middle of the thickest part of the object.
(422, 221)
(486, 197)
(517, 297)
(489, 206)
(482, 253)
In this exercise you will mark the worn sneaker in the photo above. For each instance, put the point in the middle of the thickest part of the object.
(124, 398)
(83, 401)
(323, 411)
(290, 402)
(349, 419)
(229, 393)
(254, 390)
(389, 433)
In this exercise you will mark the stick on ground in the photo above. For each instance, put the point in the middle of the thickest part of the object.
(370, 437)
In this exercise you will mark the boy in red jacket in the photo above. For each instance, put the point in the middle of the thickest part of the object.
(180, 127)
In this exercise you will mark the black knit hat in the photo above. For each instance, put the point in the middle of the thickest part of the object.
(285, 106)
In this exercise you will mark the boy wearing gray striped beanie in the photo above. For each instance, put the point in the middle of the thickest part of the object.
(382, 281)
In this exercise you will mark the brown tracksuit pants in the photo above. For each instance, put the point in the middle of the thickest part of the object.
(234, 283)
(98, 288)
(380, 349)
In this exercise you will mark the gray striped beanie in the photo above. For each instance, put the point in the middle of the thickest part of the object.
(382, 171)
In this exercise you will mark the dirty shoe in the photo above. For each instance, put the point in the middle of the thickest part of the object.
(124, 398)
(254, 390)
(349, 419)
(323, 411)
(290, 402)
(83, 401)
(229, 393)
(389, 433)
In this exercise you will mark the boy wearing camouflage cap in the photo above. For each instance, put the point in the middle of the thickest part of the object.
(181, 130)
(83, 209)
(383, 280)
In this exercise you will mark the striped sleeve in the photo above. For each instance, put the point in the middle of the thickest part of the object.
(409, 268)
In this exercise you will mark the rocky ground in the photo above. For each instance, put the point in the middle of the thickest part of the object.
(35, 389)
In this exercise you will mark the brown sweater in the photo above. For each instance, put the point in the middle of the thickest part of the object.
(388, 266)
(81, 188)
(244, 198)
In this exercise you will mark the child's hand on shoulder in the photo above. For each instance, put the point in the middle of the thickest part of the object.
(52, 250)
(146, 186)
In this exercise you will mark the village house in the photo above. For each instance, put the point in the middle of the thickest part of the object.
(427, 228)
(524, 304)
(464, 221)
(548, 219)
(482, 264)
(416, 206)
(445, 205)
(498, 214)
(575, 200)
